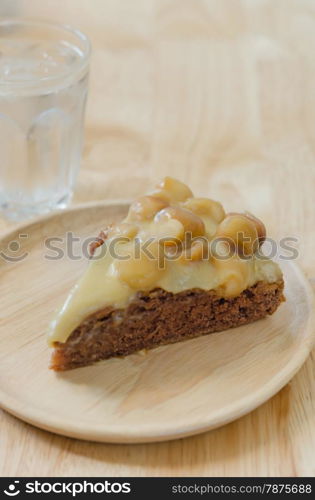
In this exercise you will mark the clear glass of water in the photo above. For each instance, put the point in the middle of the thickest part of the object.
(43, 91)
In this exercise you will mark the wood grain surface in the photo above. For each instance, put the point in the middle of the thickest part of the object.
(220, 93)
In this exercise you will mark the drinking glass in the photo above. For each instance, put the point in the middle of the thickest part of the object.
(43, 91)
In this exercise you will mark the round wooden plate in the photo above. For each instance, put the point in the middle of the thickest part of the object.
(172, 391)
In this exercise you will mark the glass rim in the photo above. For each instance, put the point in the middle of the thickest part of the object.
(66, 28)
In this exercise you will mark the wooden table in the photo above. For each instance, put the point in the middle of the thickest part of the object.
(222, 95)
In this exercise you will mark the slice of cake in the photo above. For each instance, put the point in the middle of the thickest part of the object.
(175, 268)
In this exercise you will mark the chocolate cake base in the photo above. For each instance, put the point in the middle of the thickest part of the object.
(159, 317)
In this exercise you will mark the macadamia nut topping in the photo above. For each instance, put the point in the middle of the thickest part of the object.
(169, 240)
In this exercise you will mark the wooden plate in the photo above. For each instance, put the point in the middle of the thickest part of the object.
(173, 391)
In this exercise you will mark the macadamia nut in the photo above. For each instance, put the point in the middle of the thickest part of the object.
(177, 190)
(205, 206)
(145, 208)
(241, 231)
(191, 222)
